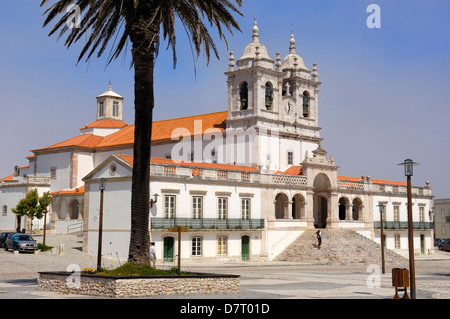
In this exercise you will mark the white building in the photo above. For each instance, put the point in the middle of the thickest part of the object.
(247, 181)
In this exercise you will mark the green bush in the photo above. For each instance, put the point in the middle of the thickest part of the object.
(131, 269)
(43, 247)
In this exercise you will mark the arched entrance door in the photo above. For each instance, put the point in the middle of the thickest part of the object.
(245, 248)
(321, 198)
(168, 249)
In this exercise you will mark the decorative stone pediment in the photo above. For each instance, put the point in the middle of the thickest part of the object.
(319, 157)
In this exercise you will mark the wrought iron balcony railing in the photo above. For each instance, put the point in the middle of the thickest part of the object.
(403, 225)
(206, 223)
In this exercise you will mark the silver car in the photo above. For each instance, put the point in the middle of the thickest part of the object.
(24, 243)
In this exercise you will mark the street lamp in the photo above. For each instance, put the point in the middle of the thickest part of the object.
(381, 208)
(102, 187)
(45, 218)
(154, 201)
(408, 165)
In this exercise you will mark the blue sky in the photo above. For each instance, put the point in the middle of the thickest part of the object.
(384, 96)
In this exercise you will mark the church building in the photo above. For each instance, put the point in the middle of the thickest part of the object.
(247, 181)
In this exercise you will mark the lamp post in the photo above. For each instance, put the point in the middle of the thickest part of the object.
(45, 219)
(381, 208)
(408, 165)
(102, 186)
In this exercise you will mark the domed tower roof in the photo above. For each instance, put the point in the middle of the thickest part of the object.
(293, 60)
(255, 51)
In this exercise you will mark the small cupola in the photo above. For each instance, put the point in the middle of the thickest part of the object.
(109, 106)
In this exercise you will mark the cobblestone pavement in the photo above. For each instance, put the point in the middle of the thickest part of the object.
(263, 280)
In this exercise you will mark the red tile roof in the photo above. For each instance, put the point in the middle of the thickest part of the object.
(105, 124)
(376, 181)
(8, 178)
(84, 140)
(78, 190)
(161, 131)
(129, 160)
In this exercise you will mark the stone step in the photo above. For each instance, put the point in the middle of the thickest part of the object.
(339, 246)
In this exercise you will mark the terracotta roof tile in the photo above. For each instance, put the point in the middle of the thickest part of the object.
(376, 181)
(78, 190)
(8, 178)
(105, 124)
(163, 130)
(129, 160)
(84, 140)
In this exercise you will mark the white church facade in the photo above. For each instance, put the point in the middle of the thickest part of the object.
(247, 181)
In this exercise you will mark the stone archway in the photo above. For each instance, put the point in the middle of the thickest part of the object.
(321, 200)
(281, 206)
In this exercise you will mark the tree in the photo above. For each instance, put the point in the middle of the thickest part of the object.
(32, 205)
(143, 23)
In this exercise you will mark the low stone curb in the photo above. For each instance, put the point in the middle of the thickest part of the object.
(137, 286)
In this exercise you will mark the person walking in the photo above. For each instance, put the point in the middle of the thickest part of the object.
(15, 239)
(319, 238)
(153, 255)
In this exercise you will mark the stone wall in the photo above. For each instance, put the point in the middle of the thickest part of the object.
(129, 286)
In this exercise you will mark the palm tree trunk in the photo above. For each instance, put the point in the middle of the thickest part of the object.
(144, 59)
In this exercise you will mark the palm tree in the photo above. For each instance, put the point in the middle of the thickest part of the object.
(142, 22)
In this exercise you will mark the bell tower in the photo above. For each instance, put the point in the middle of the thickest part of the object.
(272, 107)
(109, 106)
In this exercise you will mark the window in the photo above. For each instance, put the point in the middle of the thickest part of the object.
(197, 207)
(222, 242)
(101, 109)
(305, 104)
(421, 214)
(243, 93)
(191, 156)
(169, 206)
(245, 208)
(115, 108)
(4, 210)
(397, 241)
(168, 156)
(53, 172)
(268, 96)
(290, 158)
(396, 214)
(196, 246)
(223, 207)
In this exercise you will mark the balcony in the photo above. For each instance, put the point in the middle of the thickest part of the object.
(403, 225)
(207, 223)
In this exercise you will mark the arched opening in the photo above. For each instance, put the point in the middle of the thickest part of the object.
(321, 197)
(281, 206)
(298, 207)
(243, 94)
(168, 249)
(245, 248)
(74, 210)
(306, 101)
(343, 204)
(268, 96)
(357, 209)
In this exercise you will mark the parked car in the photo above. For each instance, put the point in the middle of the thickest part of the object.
(445, 245)
(438, 241)
(25, 242)
(3, 238)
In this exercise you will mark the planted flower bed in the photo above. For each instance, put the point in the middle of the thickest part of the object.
(119, 284)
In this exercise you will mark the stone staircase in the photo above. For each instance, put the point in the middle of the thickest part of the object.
(339, 246)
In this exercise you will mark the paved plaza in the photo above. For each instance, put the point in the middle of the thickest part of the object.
(261, 281)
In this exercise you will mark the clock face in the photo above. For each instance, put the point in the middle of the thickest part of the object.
(288, 107)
